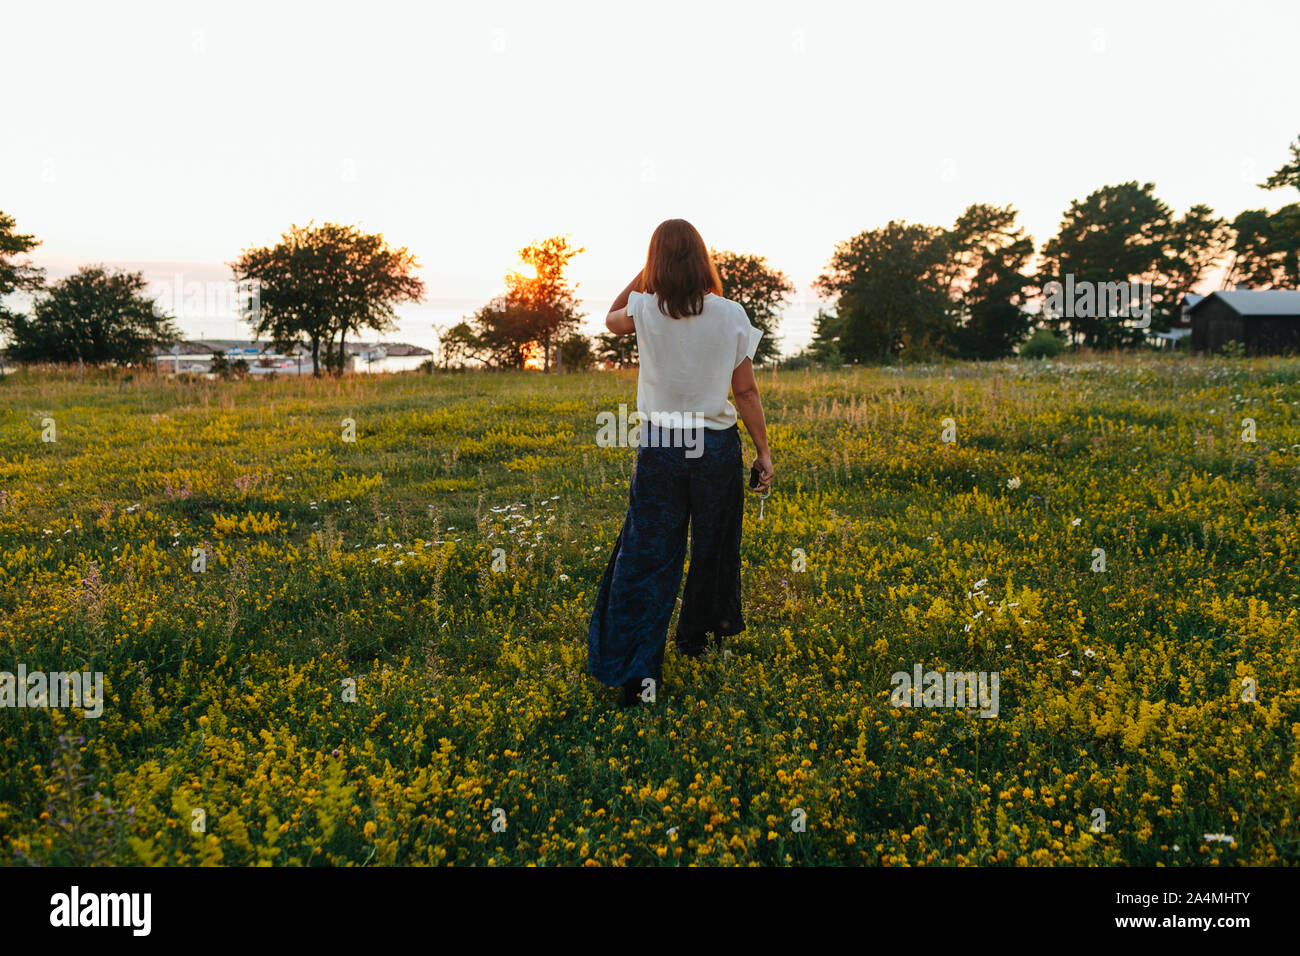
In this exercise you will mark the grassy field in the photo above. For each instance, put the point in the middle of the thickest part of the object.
(347, 681)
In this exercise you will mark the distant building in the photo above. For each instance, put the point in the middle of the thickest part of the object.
(1181, 326)
(1265, 321)
(1185, 310)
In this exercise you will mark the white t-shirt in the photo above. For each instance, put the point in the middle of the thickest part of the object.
(686, 364)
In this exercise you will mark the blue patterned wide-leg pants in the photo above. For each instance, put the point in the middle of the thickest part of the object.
(670, 491)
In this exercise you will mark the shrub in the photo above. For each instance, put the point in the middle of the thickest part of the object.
(1043, 344)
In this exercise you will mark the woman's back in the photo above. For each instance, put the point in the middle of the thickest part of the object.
(687, 363)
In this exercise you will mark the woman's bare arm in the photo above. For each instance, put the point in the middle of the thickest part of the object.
(749, 407)
(618, 321)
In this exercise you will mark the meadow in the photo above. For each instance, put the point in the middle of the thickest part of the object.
(309, 658)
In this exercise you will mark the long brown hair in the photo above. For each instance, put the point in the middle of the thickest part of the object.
(679, 269)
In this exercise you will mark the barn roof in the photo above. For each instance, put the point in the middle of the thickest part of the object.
(1257, 301)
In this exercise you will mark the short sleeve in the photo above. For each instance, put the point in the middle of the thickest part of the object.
(747, 340)
(635, 302)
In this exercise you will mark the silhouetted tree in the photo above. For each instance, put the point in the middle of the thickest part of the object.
(534, 309)
(618, 350)
(1266, 247)
(989, 254)
(1125, 233)
(90, 317)
(761, 289)
(890, 287)
(322, 283)
(825, 345)
(17, 275)
(575, 351)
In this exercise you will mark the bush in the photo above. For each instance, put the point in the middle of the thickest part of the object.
(817, 355)
(576, 353)
(225, 369)
(1043, 344)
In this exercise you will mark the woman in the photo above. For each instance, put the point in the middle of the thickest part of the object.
(693, 344)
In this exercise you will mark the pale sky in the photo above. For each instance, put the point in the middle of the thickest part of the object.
(180, 133)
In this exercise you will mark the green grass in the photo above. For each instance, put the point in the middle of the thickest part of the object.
(225, 693)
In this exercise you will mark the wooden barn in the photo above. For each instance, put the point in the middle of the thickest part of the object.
(1265, 321)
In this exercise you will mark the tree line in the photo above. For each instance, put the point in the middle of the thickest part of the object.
(965, 291)
(323, 284)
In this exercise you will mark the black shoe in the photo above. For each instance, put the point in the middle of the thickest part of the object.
(696, 651)
(693, 648)
(630, 694)
(693, 651)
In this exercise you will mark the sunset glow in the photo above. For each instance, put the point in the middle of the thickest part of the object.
(534, 356)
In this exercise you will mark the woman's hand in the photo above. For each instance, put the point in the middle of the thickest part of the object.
(763, 463)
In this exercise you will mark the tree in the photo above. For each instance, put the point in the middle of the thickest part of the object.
(1266, 247)
(500, 334)
(458, 345)
(536, 309)
(93, 316)
(379, 277)
(546, 304)
(1195, 243)
(297, 281)
(989, 254)
(616, 350)
(891, 291)
(1114, 235)
(825, 345)
(15, 275)
(575, 351)
(1125, 234)
(323, 283)
(761, 289)
(1289, 173)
